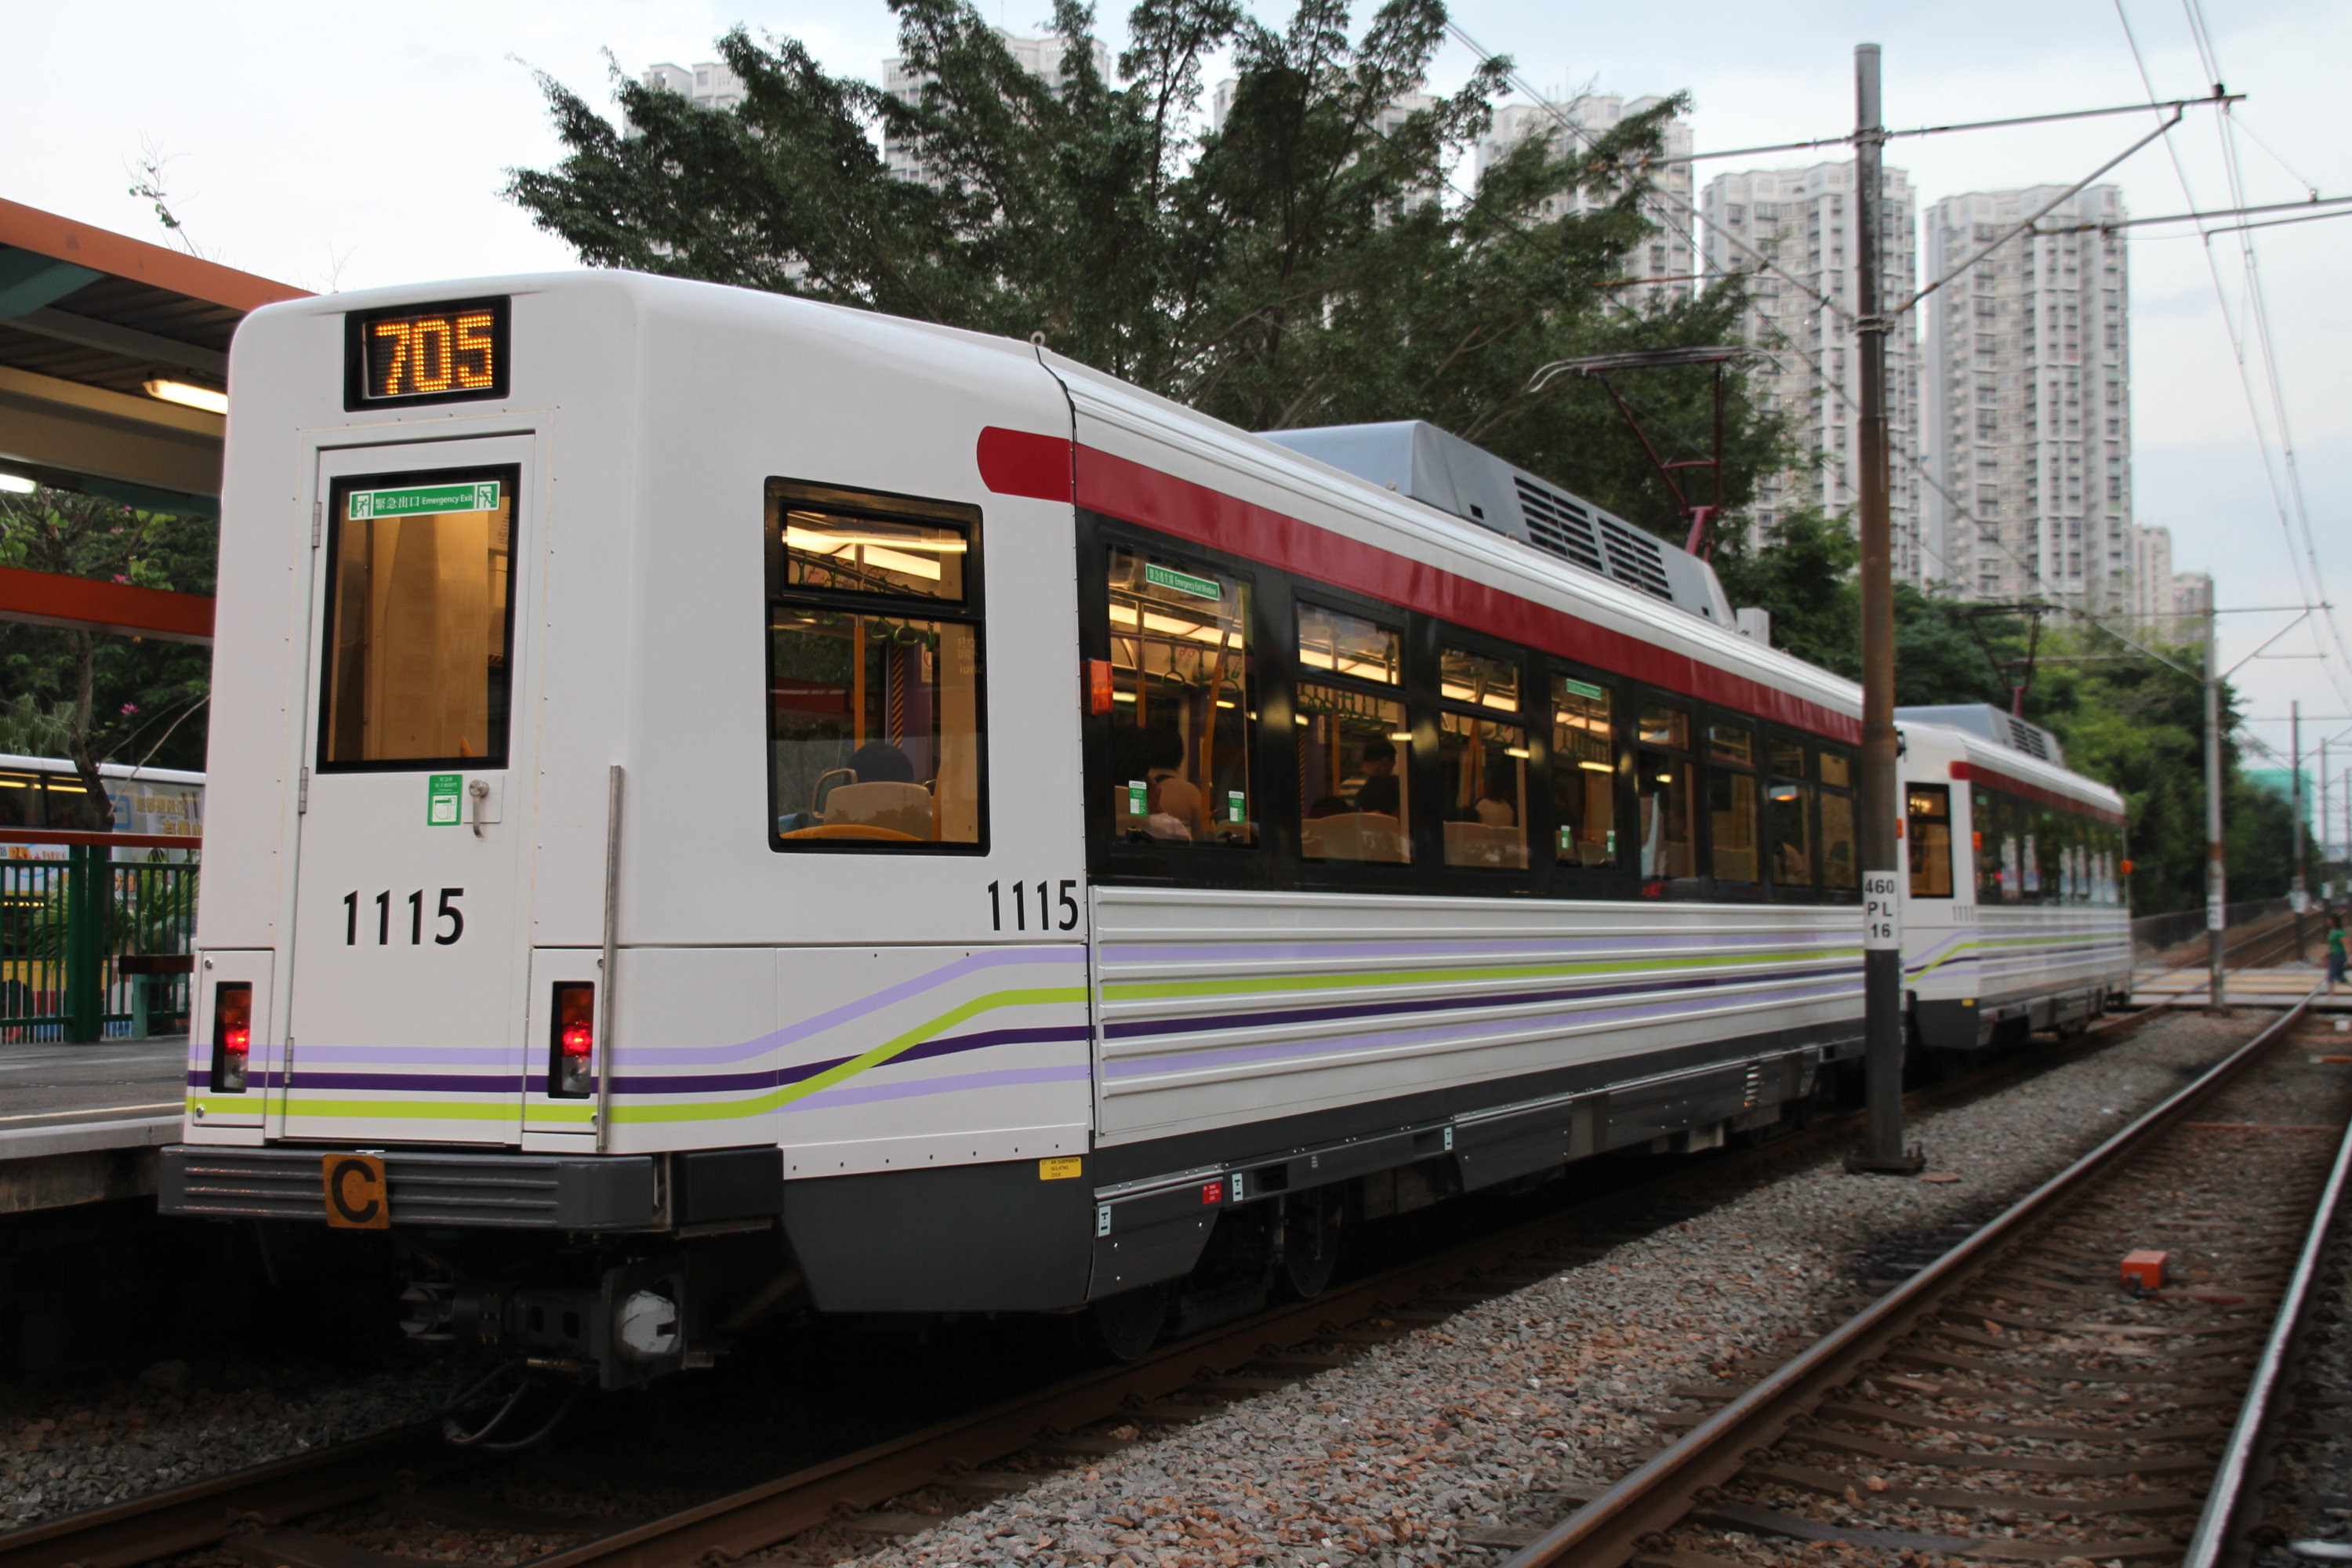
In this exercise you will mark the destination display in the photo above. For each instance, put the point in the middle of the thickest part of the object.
(431, 353)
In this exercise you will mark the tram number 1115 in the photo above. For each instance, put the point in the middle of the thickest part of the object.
(1067, 903)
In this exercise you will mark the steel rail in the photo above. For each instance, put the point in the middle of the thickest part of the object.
(1624, 1520)
(2232, 1480)
(191, 1516)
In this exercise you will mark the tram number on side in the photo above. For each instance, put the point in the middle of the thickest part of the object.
(1064, 902)
(449, 920)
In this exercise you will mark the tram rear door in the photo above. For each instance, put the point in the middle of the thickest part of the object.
(409, 977)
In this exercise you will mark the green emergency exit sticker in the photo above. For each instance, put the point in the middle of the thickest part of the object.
(441, 793)
(424, 500)
(1182, 582)
(1235, 808)
(1588, 693)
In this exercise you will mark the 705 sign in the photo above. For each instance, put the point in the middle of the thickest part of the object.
(447, 913)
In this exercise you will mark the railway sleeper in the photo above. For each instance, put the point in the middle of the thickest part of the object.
(1837, 1484)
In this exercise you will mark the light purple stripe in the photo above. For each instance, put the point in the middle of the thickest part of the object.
(1468, 950)
(406, 1056)
(832, 1098)
(848, 1012)
(1234, 1057)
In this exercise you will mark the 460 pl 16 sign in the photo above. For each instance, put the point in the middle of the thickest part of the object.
(426, 353)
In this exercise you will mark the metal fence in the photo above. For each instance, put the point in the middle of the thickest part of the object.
(2153, 934)
(95, 948)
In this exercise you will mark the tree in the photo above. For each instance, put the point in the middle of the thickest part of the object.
(119, 698)
(1308, 262)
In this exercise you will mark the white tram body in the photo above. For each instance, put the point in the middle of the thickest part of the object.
(689, 764)
(2039, 937)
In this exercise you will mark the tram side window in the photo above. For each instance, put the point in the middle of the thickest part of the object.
(1482, 756)
(874, 664)
(1735, 833)
(417, 621)
(1179, 703)
(1355, 795)
(20, 801)
(1664, 773)
(1841, 856)
(1583, 772)
(1929, 835)
(1789, 816)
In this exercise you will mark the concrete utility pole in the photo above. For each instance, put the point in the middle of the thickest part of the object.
(2216, 881)
(1882, 880)
(2295, 817)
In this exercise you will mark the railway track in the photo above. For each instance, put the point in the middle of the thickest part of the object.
(1080, 1419)
(2011, 1402)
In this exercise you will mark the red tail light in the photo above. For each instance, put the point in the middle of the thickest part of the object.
(1099, 686)
(572, 1063)
(232, 1034)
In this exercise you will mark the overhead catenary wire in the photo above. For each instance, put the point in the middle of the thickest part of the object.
(2287, 496)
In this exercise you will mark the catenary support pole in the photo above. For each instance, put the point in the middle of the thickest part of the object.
(1882, 883)
(2216, 882)
(2295, 817)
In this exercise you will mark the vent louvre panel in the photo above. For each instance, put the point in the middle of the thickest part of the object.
(2028, 738)
(1559, 527)
(1637, 559)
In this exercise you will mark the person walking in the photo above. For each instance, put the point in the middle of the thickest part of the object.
(2335, 952)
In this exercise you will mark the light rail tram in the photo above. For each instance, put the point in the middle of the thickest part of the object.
(720, 802)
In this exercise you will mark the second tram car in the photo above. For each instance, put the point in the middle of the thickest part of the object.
(732, 797)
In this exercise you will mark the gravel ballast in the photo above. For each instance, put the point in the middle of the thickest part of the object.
(1386, 1460)
(1488, 1416)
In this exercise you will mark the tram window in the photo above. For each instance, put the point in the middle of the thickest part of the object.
(874, 728)
(1179, 703)
(1837, 770)
(1840, 863)
(1583, 772)
(1482, 760)
(1354, 789)
(1665, 782)
(1787, 758)
(1929, 835)
(1789, 813)
(1735, 834)
(418, 620)
(835, 551)
(20, 801)
(1349, 645)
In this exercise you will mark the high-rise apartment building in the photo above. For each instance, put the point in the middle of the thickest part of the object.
(1668, 257)
(1794, 233)
(1040, 58)
(2148, 587)
(2026, 423)
(711, 85)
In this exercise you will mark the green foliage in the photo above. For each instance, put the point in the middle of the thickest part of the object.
(1306, 264)
(115, 699)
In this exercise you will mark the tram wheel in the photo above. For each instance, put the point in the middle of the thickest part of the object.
(1314, 1229)
(1126, 1326)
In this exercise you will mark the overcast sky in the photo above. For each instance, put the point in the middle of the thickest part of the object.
(338, 147)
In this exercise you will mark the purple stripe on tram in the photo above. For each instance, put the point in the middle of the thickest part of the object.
(1245, 1055)
(1266, 1016)
(646, 1082)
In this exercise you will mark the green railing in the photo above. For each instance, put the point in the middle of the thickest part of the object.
(94, 947)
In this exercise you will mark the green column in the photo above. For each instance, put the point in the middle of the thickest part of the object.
(86, 892)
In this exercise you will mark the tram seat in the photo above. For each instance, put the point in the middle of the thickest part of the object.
(1355, 836)
(1484, 844)
(905, 807)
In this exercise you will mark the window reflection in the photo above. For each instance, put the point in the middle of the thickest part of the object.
(1349, 646)
(1180, 675)
(1583, 772)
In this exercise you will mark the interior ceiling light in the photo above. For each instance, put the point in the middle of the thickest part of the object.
(180, 392)
(17, 485)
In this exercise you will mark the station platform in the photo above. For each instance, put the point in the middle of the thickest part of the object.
(80, 1123)
(2272, 986)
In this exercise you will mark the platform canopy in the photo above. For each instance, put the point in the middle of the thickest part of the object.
(97, 333)
(108, 345)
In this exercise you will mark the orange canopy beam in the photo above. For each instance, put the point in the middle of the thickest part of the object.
(48, 599)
